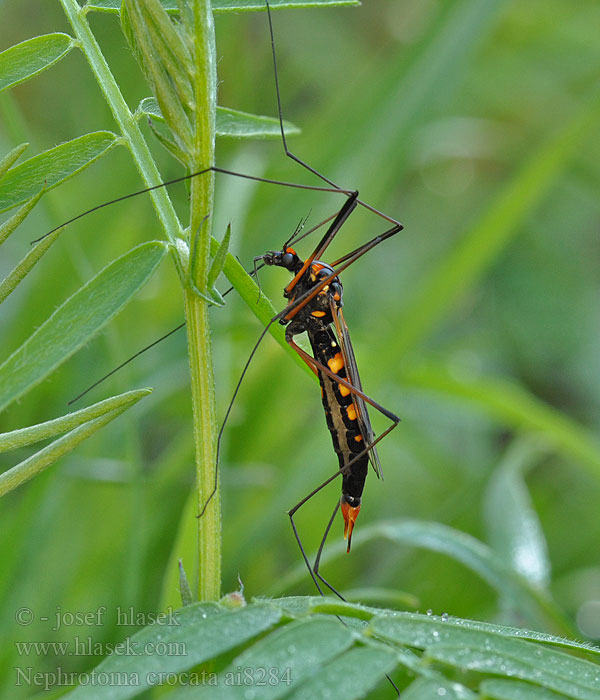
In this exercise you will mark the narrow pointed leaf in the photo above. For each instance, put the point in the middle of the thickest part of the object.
(47, 456)
(257, 303)
(230, 122)
(30, 57)
(52, 167)
(57, 426)
(12, 223)
(243, 125)
(514, 529)
(18, 274)
(533, 603)
(75, 322)
(169, 145)
(425, 631)
(184, 587)
(216, 266)
(12, 157)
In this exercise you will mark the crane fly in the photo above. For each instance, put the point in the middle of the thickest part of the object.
(315, 307)
(315, 301)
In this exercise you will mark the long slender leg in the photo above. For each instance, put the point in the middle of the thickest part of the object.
(293, 307)
(322, 485)
(183, 178)
(286, 150)
(317, 366)
(340, 219)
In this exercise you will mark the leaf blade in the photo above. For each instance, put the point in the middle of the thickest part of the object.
(30, 57)
(77, 320)
(52, 167)
(49, 455)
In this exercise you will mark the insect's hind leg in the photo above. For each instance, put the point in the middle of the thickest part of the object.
(293, 156)
(317, 562)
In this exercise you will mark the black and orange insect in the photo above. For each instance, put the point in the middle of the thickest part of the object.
(315, 297)
(315, 301)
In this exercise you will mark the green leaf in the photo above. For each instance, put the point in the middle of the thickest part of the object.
(230, 122)
(339, 679)
(295, 652)
(216, 266)
(502, 220)
(52, 167)
(11, 224)
(514, 530)
(427, 631)
(428, 688)
(51, 428)
(12, 157)
(242, 125)
(75, 322)
(184, 587)
(199, 632)
(30, 57)
(501, 689)
(514, 658)
(18, 274)
(228, 5)
(47, 456)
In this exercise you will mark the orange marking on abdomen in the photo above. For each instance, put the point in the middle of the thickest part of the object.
(351, 412)
(336, 363)
(344, 391)
(358, 438)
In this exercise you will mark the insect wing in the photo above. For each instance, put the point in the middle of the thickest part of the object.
(362, 414)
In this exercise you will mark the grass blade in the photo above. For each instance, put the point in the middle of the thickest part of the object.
(513, 527)
(11, 224)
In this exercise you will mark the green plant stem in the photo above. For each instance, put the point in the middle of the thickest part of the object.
(196, 308)
(127, 123)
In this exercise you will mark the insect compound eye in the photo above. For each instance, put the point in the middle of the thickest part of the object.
(287, 259)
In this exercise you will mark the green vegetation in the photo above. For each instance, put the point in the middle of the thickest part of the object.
(473, 123)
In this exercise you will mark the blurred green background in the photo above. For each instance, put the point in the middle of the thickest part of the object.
(473, 123)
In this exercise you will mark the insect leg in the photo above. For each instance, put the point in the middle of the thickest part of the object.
(286, 150)
(292, 309)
